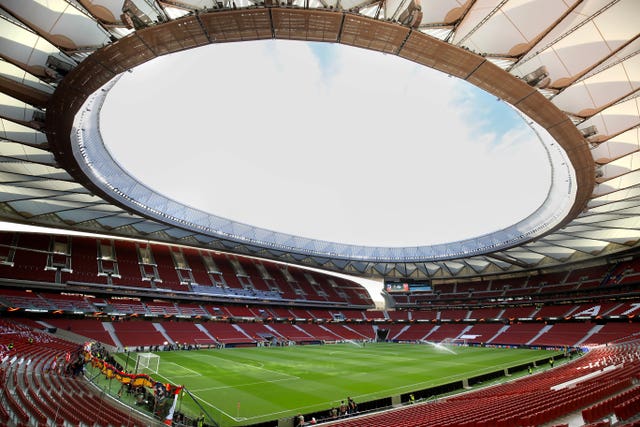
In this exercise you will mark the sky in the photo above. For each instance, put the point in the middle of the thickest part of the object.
(326, 141)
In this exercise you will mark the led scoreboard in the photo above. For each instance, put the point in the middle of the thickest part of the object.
(395, 286)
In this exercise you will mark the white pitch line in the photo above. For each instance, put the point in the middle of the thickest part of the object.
(252, 366)
(299, 409)
(302, 408)
(182, 367)
(166, 378)
(242, 385)
(215, 407)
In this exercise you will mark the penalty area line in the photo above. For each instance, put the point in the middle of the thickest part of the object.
(207, 403)
(198, 374)
(248, 365)
(216, 408)
(242, 385)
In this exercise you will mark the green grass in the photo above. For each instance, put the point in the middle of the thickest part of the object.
(244, 386)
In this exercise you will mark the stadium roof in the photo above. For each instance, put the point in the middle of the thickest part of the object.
(572, 67)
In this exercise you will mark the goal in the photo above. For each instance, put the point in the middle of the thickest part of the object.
(148, 361)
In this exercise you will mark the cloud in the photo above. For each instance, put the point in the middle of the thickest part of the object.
(325, 141)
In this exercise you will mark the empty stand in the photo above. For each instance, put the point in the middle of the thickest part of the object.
(561, 334)
(351, 331)
(161, 308)
(167, 274)
(186, 332)
(454, 314)
(482, 332)
(530, 401)
(446, 331)
(127, 264)
(415, 332)
(259, 331)
(226, 333)
(518, 334)
(319, 332)
(138, 333)
(555, 311)
(613, 332)
(426, 315)
(35, 394)
(512, 313)
(292, 332)
(90, 328)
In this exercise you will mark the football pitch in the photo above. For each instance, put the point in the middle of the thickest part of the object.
(243, 386)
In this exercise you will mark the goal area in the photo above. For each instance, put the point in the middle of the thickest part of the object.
(148, 361)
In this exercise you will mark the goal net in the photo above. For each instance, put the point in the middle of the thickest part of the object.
(148, 361)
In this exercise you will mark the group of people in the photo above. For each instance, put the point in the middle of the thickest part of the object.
(169, 347)
(346, 408)
(73, 363)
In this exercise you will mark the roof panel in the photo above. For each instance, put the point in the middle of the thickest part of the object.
(615, 119)
(108, 11)
(629, 222)
(618, 146)
(26, 49)
(483, 40)
(616, 184)
(519, 23)
(587, 97)
(75, 216)
(630, 50)
(19, 133)
(593, 45)
(551, 250)
(32, 208)
(17, 74)
(26, 153)
(117, 221)
(47, 184)
(621, 166)
(34, 169)
(615, 201)
(619, 236)
(596, 219)
(587, 245)
(60, 22)
(11, 192)
(16, 110)
(585, 37)
(527, 257)
(443, 11)
(152, 227)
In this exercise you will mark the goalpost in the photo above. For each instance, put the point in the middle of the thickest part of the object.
(148, 361)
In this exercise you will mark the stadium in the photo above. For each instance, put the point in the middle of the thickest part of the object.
(122, 305)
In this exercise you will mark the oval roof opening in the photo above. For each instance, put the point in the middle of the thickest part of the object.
(326, 142)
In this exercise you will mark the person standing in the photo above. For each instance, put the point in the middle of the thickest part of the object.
(352, 407)
(343, 409)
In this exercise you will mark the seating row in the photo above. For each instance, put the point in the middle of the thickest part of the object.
(87, 260)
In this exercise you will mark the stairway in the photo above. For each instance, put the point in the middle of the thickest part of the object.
(542, 331)
(112, 332)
